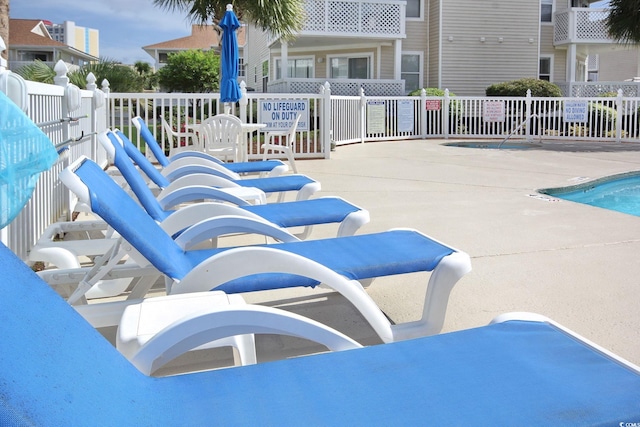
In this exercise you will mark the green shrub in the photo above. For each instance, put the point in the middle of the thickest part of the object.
(454, 106)
(539, 88)
(431, 91)
(602, 112)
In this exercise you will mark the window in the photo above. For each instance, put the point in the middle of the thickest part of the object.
(546, 10)
(241, 67)
(413, 8)
(545, 69)
(410, 71)
(297, 67)
(265, 76)
(349, 68)
(162, 57)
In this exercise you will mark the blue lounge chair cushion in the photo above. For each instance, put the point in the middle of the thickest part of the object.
(56, 370)
(325, 210)
(356, 257)
(268, 185)
(242, 167)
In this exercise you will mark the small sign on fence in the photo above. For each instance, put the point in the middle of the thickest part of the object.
(279, 114)
(433, 104)
(576, 111)
(405, 115)
(375, 116)
(493, 111)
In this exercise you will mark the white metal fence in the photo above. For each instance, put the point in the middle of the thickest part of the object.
(364, 119)
(183, 110)
(70, 117)
(67, 114)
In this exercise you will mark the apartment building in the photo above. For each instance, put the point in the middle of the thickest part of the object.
(394, 47)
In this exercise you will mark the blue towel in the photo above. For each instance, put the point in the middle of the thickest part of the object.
(25, 152)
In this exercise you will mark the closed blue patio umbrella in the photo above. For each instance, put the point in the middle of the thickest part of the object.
(229, 88)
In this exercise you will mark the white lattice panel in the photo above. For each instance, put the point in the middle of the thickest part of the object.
(354, 18)
(343, 17)
(561, 29)
(316, 16)
(591, 25)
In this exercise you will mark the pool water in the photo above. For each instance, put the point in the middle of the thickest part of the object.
(618, 193)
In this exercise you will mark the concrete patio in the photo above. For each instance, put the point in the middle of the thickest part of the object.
(573, 263)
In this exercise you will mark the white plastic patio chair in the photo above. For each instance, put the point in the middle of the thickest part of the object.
(283, 142)
(189, 137)
(219, 135)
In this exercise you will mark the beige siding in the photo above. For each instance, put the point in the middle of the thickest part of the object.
(256, 52)
(433, 45)
(619, 65)
(386, 63)
(559, 56)
(417, 41)
(469, 65)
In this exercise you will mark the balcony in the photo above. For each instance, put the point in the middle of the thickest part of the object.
(580, 25)
(371, 19)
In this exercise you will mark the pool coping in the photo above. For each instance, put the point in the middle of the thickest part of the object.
(587, 184)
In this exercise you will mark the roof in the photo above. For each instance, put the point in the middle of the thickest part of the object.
(30, 32)
(202, 37)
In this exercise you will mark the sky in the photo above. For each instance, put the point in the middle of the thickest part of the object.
(125, 25)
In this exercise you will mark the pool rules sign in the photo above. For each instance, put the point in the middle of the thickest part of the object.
(576, 111)
(279, 114)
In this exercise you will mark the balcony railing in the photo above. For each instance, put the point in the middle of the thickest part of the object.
(581, 25)
(354, 18)
(346, 87)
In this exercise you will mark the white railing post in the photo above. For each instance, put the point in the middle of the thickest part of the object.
(325, 119)
(423, 113)
(619, 115)
(107, 111)
(527, 115)
(445, 114)
(61, 79)
(363, 115)
(244, 101)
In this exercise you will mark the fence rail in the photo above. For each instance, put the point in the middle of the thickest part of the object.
(65, 113)
(364, 119)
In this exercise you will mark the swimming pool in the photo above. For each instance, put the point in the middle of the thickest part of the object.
(617, 192)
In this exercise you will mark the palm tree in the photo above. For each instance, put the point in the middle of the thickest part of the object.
(283, 18)
(623, 21)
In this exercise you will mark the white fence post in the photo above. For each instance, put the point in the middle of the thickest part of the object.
(527, 115)
(445, 114)
(363, 116)
(244, 101)
(619, 116)
(423, 113)
(325, 120)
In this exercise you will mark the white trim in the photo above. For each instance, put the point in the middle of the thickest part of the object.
(550, 56)
(292, 58)
(420, 54)
(553, 11)
(369, 56)
(419, 18)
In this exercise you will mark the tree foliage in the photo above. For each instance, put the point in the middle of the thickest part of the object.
(121, 78)
(623, 20)
(539, 88)
(281, 17)
(193, 71)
